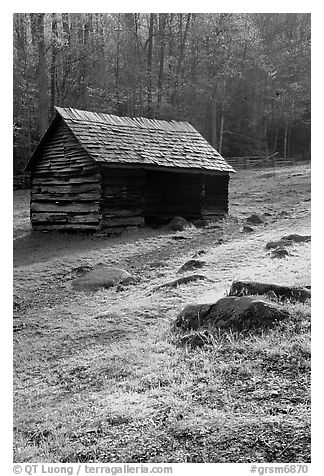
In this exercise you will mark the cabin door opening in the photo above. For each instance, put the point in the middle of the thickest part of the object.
(170, 194)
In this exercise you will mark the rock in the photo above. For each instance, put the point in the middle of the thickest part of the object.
(247, 229)
(255, 219)
(279, 253)
(238, 313)
(178, 224)
(179, 237)
(102, 278)
(177, 282)
(296, 238)
(291, 293)
(192, 317)
(288, 241)
(191, 264)
(278, 244)
(200, 223)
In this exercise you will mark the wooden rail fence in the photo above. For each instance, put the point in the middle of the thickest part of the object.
(258, 162)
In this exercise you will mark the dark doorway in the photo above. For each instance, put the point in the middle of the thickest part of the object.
(169, 194)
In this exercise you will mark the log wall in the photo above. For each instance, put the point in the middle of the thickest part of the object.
(122, 198)
(65, 192)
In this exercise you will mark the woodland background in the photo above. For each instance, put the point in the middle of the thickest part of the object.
(243, 80)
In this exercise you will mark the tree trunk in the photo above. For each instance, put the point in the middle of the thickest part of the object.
(275, 142)
(221, 134)
(85, 62)
(266, 136)
(289, 136)
(182, 46)
(285, 139)
(42, 80)
(66, 54)
(117, 64)
(214, 122)
(162, 22)
(53, 65)
(169, 58)
(149, 66)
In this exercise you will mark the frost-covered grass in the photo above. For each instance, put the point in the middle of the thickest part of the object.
(100, 377)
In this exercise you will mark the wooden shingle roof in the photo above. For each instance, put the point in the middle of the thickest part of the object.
(140, 141)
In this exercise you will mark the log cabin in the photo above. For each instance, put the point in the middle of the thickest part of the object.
(100, 172)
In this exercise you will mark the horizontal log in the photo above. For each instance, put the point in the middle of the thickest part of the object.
(49, 217)
(66, 227)
(67, 180)
(71, 176)
(64, 218)
(60, 160)
(85, 207)
(65, 197)
(68, 188)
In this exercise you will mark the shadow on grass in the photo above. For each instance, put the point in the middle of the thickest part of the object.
(35, 246)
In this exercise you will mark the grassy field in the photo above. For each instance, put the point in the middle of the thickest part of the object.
(100, 378)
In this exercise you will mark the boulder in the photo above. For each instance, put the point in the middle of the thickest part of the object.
(255, 219)
(238, 313)
(248, 288)
(296, 238)
(278, 244)
(191, 264)
(102, 278)
(247, 229)
(192, 317)
(279, 253)
(178, 224)
(288, 241)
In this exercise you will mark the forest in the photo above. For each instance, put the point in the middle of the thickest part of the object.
(242, 80)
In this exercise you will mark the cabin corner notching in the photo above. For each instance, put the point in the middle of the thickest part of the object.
(100, 172)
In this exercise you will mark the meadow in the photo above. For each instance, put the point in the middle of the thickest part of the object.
(101, 378)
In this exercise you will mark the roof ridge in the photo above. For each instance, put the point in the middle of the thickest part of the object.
(78, 115)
